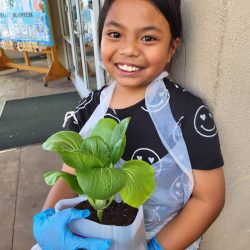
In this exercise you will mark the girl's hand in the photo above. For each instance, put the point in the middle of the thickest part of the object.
(51, 232)
(154, 245)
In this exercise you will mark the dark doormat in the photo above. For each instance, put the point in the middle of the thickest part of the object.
(32, 120)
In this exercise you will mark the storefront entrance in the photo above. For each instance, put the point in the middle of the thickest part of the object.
(79, 26)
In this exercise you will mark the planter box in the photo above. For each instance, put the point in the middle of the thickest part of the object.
(124, 237)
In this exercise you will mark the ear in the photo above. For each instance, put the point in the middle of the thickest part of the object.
(174, 45)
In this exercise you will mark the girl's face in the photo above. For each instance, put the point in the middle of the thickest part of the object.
(136, 42)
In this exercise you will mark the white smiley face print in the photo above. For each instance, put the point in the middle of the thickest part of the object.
(203, 122)
(160, 101)
(177, 189)
(145, 154)
(151, 157)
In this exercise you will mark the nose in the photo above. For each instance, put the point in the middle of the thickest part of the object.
(128, 47)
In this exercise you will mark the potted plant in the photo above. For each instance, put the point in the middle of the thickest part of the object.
(96, 177)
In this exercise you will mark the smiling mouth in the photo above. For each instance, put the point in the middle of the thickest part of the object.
(208, 130)
(128, 68)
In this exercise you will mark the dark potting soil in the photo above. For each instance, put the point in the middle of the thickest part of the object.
(117, 214)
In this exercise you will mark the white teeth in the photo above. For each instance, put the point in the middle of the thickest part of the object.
(127, 68)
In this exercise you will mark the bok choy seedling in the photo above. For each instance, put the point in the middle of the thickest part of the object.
(94, 159)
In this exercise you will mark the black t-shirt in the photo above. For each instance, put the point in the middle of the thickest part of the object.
(143, 142)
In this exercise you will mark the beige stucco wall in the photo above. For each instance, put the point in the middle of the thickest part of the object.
(215, 64)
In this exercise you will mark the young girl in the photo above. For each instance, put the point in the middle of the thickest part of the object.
(170, 128)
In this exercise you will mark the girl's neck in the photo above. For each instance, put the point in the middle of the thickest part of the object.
(124, 97)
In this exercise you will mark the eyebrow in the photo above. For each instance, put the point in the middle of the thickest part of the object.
(147, 28)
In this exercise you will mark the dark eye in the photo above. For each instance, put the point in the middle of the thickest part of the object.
(114, 34)
(148, 39)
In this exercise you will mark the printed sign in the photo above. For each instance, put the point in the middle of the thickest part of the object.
(25, 25)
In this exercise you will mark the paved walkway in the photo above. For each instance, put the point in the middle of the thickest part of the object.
(22, 190)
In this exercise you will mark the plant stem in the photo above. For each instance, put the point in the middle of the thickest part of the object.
(99, 214)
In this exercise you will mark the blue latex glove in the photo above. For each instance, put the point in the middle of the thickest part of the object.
(51, 232)
(154, 245)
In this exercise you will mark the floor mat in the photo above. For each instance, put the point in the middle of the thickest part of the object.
(32, 120)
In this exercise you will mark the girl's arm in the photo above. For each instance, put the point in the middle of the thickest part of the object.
(199, 213)
(60, 190)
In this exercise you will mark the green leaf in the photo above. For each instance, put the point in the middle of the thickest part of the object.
(118, 140)
(118, 150)
(93, 152)
(96, 146)
(63, 141)
(101, 183)
(140, 182)
(51, 177)
(104, 129)
(81, 160)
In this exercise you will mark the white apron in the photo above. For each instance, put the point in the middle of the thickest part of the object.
(173, 173)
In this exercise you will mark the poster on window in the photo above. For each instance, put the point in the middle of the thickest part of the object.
(25, 25)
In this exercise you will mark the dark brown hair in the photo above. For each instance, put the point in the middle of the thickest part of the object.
(169, 8)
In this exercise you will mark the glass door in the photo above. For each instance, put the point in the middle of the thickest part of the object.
(87, 33)
(67, 43)
(94, 72)
(79, 22)
(78, 53)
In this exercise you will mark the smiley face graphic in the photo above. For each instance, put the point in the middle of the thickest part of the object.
(177, 189)
(150, 156)
(145, 154)
(159, 102)
(203, 122)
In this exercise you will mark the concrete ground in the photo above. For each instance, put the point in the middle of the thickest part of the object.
(22, 189)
